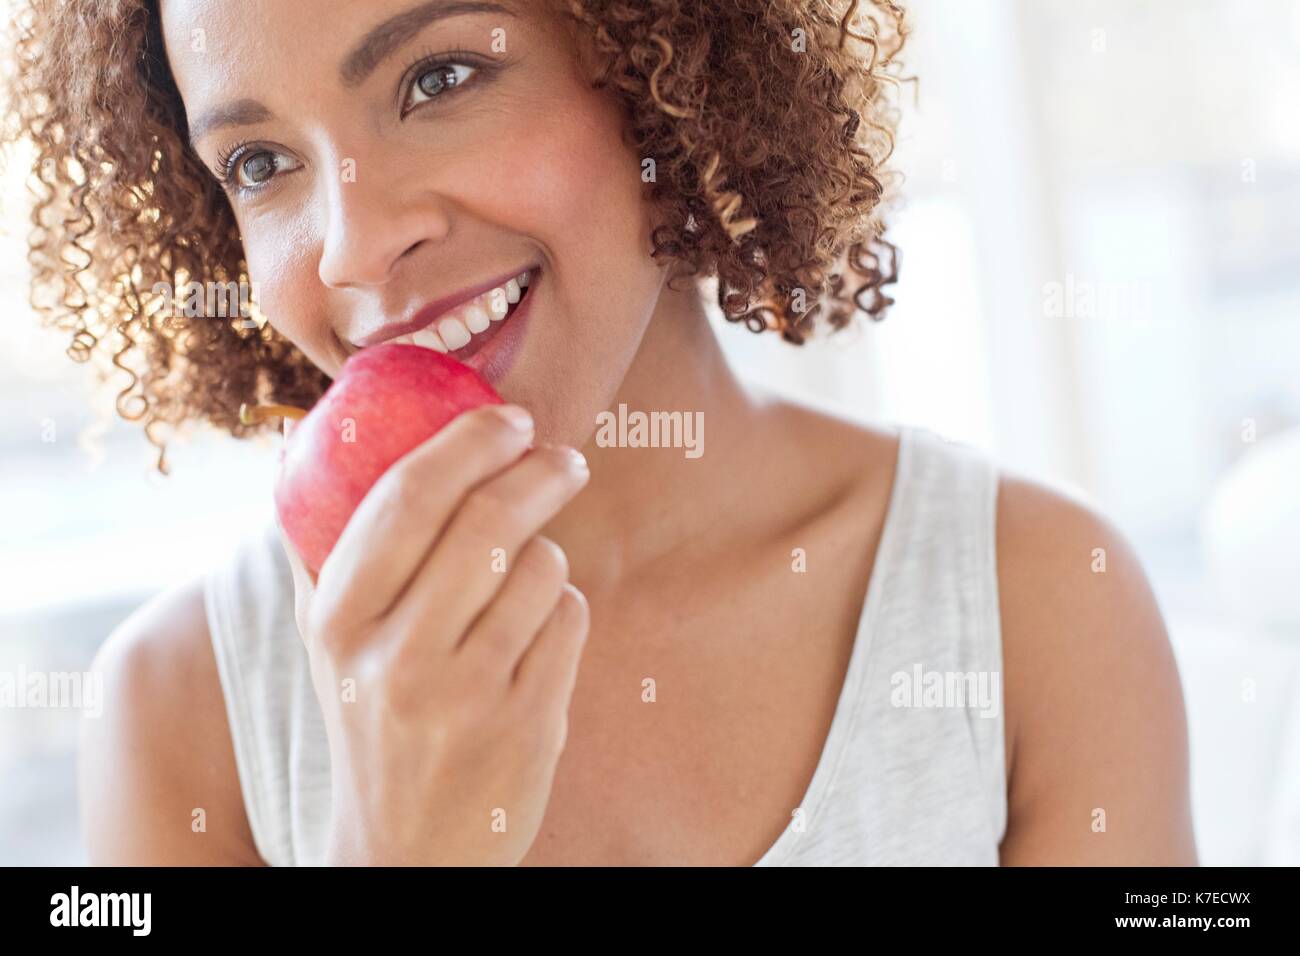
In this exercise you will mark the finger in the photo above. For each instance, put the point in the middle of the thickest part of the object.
(498, 517)
(532, 588)
(549, 667)
(387, 538)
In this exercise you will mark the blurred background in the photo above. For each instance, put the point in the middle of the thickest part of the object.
(1100, 235)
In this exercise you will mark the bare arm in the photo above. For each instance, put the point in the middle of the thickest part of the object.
(1097, 734)
(161, 751)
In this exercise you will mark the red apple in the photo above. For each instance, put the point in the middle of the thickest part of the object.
(386, 400)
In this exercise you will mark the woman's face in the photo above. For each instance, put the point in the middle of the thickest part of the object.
(388, 159)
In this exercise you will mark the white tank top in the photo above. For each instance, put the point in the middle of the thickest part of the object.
(913, 768)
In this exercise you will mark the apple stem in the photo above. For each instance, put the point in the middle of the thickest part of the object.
(256, 414)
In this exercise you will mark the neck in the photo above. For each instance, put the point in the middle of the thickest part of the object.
(643, 503)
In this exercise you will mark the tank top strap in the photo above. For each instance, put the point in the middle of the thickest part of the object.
(935, 668)
(278, 734)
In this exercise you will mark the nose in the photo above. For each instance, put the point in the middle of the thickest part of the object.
(371, 222)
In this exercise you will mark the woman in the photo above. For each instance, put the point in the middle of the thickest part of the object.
(815, 643)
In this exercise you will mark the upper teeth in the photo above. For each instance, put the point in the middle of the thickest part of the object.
(454, 329)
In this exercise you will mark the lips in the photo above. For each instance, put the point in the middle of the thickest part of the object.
(459, 324)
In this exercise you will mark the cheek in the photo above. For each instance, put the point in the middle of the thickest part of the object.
(579, 187)
(576, 188)
(286, 281)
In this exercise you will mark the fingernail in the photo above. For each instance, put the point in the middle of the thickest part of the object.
(516, 417)
(578, 461)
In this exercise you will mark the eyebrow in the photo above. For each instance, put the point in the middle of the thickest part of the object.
(375, 47)
(238, 113)
(392, 34)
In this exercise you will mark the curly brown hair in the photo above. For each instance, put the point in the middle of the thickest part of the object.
(770, 123)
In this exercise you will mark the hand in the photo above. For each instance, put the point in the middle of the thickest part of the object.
(445, 681)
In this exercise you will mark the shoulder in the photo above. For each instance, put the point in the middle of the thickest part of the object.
(1096, 731)
(157, 770)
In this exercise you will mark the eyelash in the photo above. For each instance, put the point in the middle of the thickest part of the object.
(429, 60)
(225, 169)
(228, 160)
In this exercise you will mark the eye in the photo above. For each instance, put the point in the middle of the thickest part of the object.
(432, 81)
(245, 167)
(256, 169)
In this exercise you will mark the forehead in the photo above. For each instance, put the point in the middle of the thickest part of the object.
(212, 44)
(212, 31)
